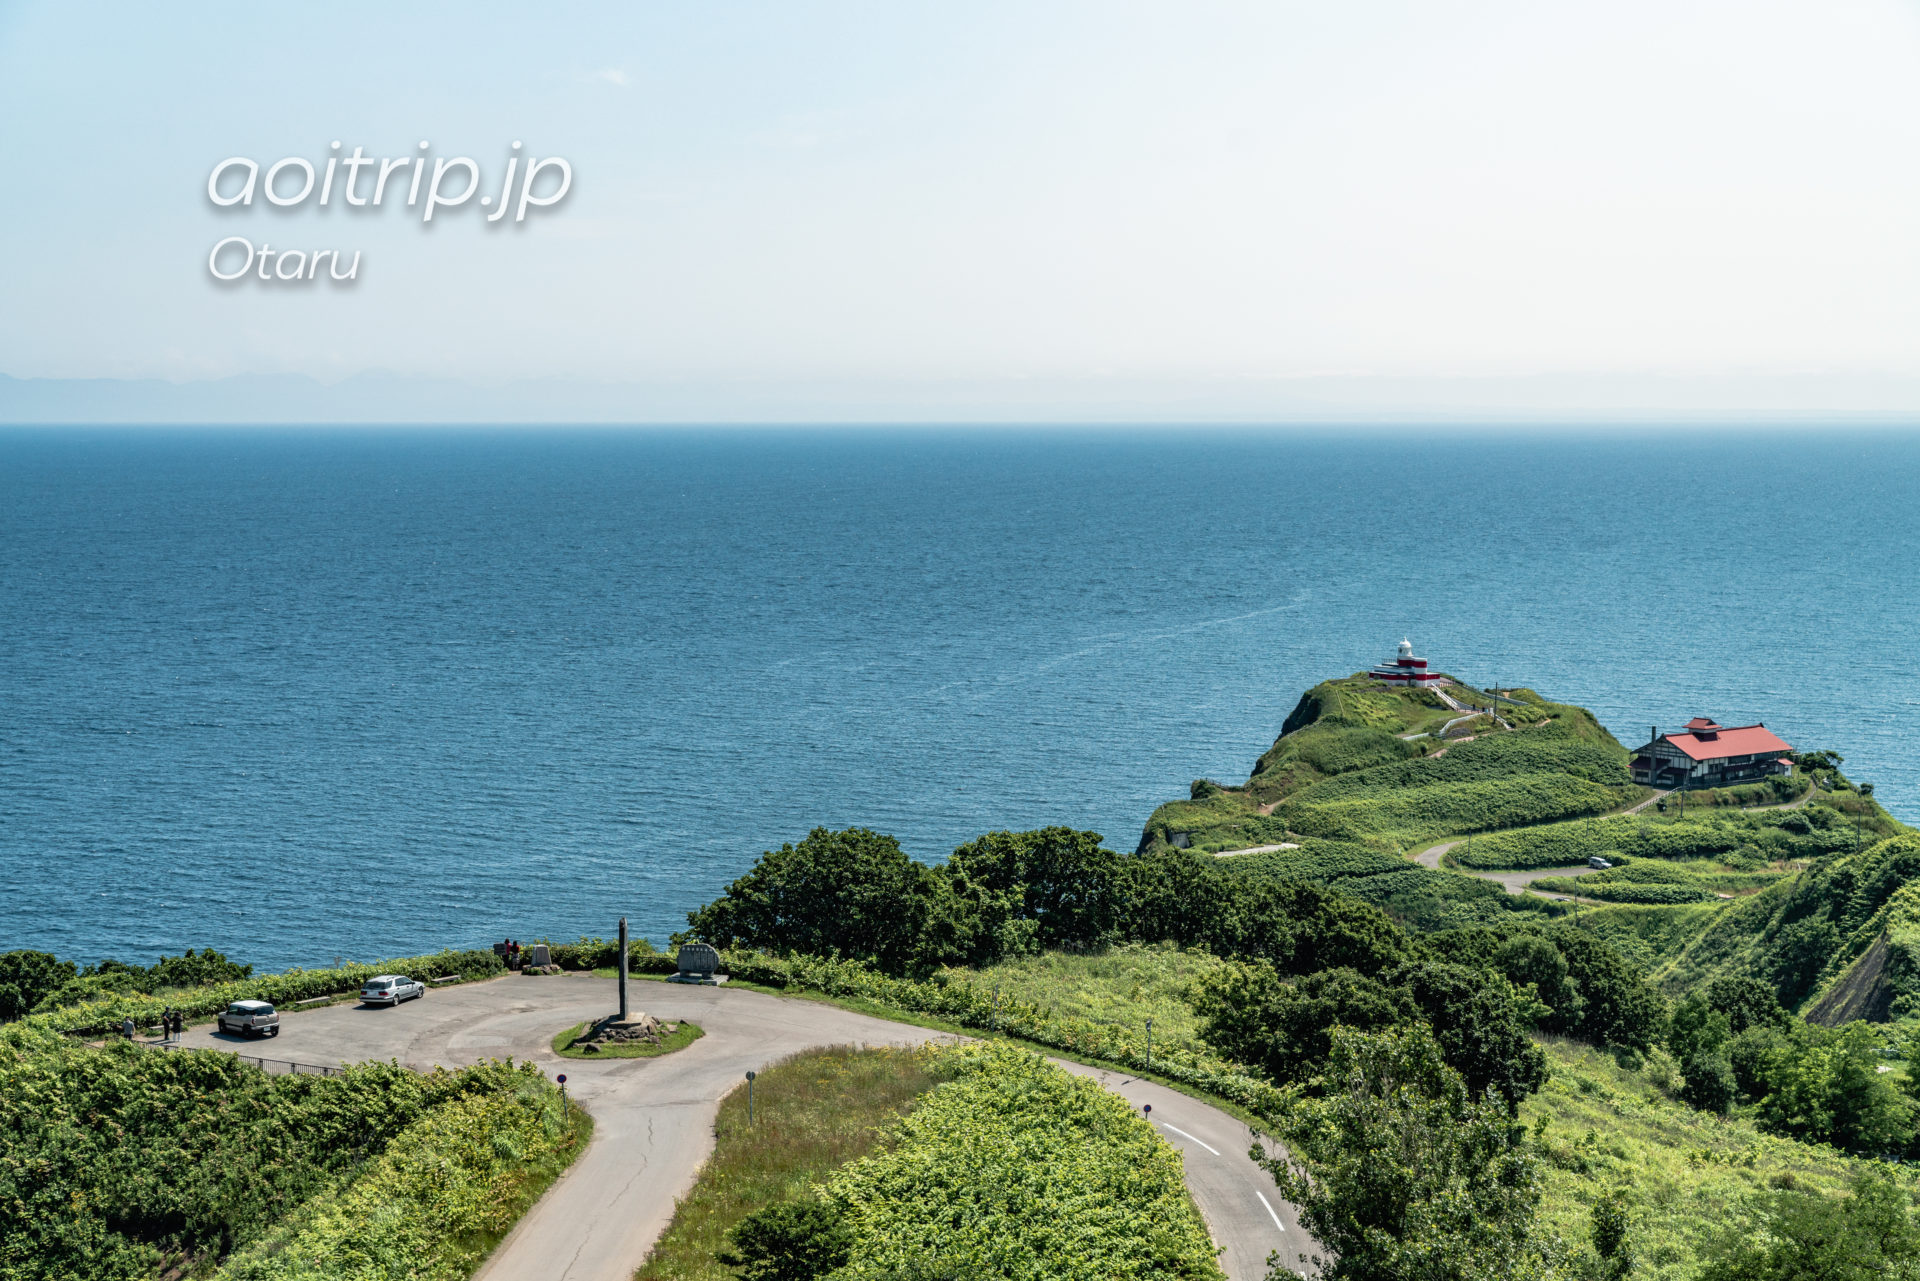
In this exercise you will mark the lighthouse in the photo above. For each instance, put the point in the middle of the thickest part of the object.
(1406, 669)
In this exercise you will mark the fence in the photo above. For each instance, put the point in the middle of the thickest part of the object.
(285, 1067)
(272, 1067)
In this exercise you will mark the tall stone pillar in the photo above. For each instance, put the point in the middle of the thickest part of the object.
(623, 969)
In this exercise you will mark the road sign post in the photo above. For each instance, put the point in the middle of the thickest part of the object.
(750, 1076)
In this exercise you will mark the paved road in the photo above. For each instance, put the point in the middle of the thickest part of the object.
(653, 1118)
(1512, 882)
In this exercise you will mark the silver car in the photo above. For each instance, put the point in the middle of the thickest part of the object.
(390, 989)
(250, 1018)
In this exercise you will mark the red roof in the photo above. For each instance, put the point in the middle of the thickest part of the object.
(1741, 740)
(1701, 722)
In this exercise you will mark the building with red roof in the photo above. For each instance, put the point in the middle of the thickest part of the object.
(1703, 754)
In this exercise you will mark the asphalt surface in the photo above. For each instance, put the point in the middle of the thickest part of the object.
(1512, 882)
(653, 1118)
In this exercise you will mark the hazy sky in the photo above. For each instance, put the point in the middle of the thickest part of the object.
(1191, 192)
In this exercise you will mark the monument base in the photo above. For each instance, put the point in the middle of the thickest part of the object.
(613, 1030)
(704, 980)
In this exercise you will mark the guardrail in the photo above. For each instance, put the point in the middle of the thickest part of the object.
(286, 1067)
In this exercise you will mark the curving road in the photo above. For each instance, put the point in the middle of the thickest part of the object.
(653, 1118)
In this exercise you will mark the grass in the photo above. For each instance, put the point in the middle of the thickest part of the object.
(1687, 1175)
(679, 1039)
(813, 1113)
(1124, 985)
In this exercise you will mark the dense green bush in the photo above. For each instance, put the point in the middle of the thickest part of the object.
(1399, 1173)
(854, 894)
(1805, 1236)
(599, 954)
(1019, 1170)
(26, 977)
(115, 1161)
(431, 1206)
(1798, 834)
(1626, 891)
(106, 1013)
(1285, 1028)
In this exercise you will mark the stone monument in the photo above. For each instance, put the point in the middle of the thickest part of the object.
(627, 1026)
(539, 957)
(697, 963)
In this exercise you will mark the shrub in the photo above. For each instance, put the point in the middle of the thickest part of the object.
(26, 978)
(795, 1240)
(432, 1205)
(105, 1013)
(115, 1161)
(1709, 1083)
(1018, 1169)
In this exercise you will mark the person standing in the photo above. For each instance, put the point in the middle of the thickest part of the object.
(126, 1027)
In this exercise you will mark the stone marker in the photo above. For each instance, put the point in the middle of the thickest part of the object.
(540, 957)
(697, 963)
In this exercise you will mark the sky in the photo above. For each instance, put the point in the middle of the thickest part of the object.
(990, 205)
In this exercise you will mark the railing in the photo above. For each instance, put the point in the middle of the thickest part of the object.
(286, 1067)
(272, 1067)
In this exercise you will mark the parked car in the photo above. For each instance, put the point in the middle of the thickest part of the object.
(390, 989)
(1595, 861)
(250, 1018)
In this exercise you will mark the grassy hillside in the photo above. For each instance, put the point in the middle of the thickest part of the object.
(1689, 1175)
(1359, 761)
(1121, 987)
(1600, 1127)
(1767, 880)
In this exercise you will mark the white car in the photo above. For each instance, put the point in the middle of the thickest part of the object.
(390, 989)
(249, 1018)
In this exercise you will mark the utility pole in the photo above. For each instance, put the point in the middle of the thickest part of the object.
(1149, 1045)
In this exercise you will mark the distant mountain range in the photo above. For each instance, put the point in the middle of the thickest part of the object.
(382, 397)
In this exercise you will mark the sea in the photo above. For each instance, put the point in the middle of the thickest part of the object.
(307, 694)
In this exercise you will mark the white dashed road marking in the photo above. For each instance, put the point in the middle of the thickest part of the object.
(1203, 1143)
(1270, 1214)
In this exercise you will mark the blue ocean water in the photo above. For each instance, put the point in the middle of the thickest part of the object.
(305, 694)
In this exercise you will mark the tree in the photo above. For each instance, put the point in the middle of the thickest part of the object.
(1060, 878)
(1478, 1028)
(1612, 1236)
(1284, 1028)
(1747, 1002)
(26, 977)
(1708, 1082)
(1867, 1236)
(1301, 929)
(1620, 1008)
(853, 893)
(1533, 959)
(1696, 1028)
(1825, 1086)
(1398, 1174)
